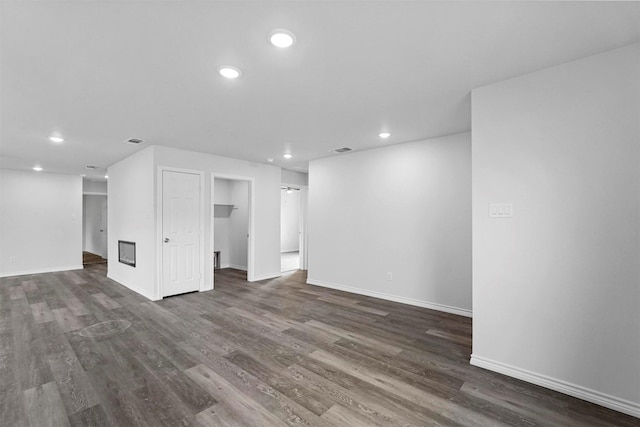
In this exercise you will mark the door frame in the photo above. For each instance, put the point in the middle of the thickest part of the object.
(303, 241)
(251, 226)
(159, 224)
(104, 208)
(106, 196)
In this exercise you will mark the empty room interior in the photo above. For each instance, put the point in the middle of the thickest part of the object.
(322, 213)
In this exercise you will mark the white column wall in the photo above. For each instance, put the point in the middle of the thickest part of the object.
(556, 288)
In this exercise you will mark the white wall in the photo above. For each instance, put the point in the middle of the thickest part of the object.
(40, 222)
(239, 224)
(94, 187)
(404, 209)
(92, 207)
(131, 216)
(266, 203)
(289, 221)
(221, 240)
(222, 196)
(556, 288)
(294, 178)
(222, 191)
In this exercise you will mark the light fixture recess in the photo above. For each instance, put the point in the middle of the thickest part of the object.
(229, 72)
(56, 139)
(37, 168)
(134, 141)
(91, 167)
(384, 135)
(282, 38)
(287, 156)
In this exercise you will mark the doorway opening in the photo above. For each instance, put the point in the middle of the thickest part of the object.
(94, 228)
(290, 229)
(232, 218)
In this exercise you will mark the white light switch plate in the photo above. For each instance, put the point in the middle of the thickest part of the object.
(500, 210)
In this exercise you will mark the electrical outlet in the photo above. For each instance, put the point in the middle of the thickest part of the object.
(389, 276)
(12, 259)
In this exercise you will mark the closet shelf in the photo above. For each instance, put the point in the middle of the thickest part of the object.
(222, 211)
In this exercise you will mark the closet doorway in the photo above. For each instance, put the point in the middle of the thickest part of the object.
(232, 219)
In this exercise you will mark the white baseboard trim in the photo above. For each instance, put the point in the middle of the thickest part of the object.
(40, 271)
(238, 267)
(134, 288)
(590, 395)
(395, 298)
(266, 277)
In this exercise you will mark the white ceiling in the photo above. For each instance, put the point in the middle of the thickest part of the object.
(100, 72)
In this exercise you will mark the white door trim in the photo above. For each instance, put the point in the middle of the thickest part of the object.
(159, 192)
(251, 243)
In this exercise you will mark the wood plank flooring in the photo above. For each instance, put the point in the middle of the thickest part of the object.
(271, 353)
(91, 258)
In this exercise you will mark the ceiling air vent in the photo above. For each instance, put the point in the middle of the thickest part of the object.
(134, 141)
(91, 167)
(340, 150)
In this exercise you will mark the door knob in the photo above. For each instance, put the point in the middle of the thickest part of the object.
(166, 240)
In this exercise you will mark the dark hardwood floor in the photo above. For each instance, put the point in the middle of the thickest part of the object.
(78, 349)
(91, 258)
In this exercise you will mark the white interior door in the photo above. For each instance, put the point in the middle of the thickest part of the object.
(180, 232)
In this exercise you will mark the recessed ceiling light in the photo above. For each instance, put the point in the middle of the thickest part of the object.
(37, 168)
(56, 139)
(229, 72)
(384, 135)
(270, 160)
(91, 167)
(106, 176)
(282, 38)
(287, 156)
